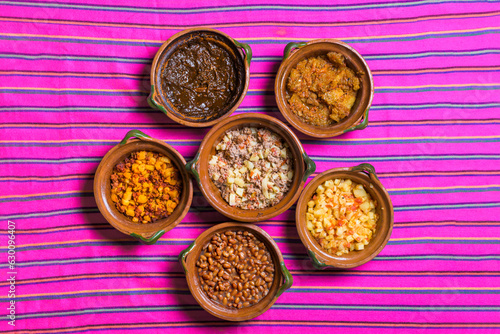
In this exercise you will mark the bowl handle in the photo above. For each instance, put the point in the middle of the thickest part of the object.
(134, 133)
(148, 240)
(191, 167)
(248, 50)
(183, 254)
(365, 168)
(152, 101)
(310, 166)
(363, 124)
(288, 279)
(316, 263)
(290, 46)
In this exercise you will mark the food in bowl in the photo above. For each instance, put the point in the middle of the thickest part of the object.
(235, 269)
(341, 216)
(200, 78)
(146, 186)
(252, 168)
(322, 90)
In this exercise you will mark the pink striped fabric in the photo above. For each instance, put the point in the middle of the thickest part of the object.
(75, 77)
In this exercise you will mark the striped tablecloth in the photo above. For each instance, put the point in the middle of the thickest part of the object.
(74, 79)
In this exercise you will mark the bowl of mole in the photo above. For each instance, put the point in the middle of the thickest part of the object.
(324, 88)
(200, 76)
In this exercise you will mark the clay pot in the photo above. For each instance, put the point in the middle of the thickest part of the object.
(151, 232)
(282, 277)
(358, 117)
(303, 166)
(158, 99)
(362, 174)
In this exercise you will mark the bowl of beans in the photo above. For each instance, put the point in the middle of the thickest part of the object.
(235, 271)
(324, 88)
(141, 187)
(200, 76)
(344, 217)
(251, 167)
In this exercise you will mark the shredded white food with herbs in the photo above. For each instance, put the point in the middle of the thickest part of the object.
(252, 168)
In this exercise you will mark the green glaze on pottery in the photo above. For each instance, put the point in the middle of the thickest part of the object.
(288, 279)
(361, 125)
(247, 48)
(290, 46)
(151, 240)
(133, 133)
(317, 264)
(152, 102)
(183, 254)
(365, 168)
(311, 166)
(191, 168)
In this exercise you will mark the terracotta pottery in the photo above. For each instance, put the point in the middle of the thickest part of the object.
(358, 117)
(283, 280)
(157, 98)
(146, 233)
(303, 166)
(362, 174)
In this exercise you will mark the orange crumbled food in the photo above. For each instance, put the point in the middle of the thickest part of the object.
(146, 187)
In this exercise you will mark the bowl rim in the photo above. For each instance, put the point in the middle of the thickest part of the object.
(356, 121)
(320, 258)
(187, 259)
(108, 162)
(307, 167)
(155, 103)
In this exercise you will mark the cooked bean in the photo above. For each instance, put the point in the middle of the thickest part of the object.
(233, 270)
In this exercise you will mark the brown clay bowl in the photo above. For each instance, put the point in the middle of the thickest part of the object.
(363, 174)
(282, 277)
(358, 117)
(146, 233)
(157, 98)
(198, 167)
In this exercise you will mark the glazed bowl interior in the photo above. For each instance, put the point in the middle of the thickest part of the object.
(219, 310)
(212, 192)
(383, 228)
(353, 60)
(102, 188)
(223, 41)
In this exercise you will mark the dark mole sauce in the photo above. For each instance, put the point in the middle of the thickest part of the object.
(200, 78)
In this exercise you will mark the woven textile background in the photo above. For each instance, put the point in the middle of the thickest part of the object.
(74, 77)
